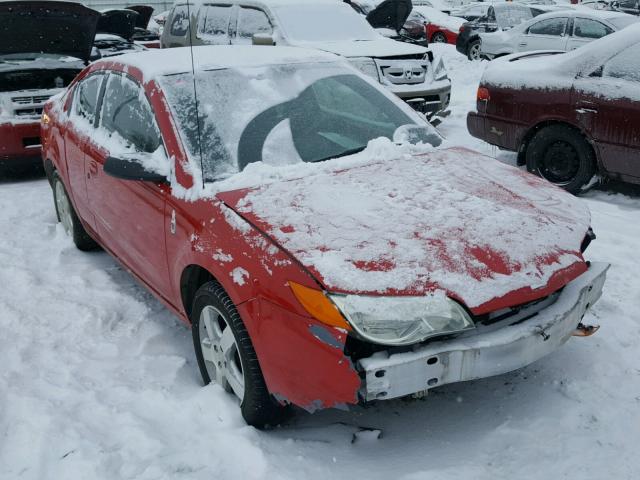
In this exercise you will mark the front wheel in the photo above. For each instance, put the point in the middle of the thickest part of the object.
(226, 356)
(473, 53)
(68, 218)
(561, 155)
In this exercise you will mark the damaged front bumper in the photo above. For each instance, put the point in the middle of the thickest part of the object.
(488, 350)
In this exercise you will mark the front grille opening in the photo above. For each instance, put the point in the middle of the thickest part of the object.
(31, 142)
(29, 112)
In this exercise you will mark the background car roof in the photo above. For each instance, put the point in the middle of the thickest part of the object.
(582, 12)
(159, 62)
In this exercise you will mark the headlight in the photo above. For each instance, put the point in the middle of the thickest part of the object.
(403, 320)
(440, 72)
(366, 66)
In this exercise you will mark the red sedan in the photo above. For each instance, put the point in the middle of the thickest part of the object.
(318, 262)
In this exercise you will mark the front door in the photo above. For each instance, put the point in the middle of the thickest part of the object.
(129, 215)
(608, 107)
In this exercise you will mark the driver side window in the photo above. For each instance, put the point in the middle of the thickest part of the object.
(127, 115)
(551, 26)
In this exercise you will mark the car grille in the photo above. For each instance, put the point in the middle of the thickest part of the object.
(29, 105)
(403, 72)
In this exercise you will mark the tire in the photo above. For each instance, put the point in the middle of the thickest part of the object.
(473, 52)
(213, 315)
(68, 217)
(562, 156)
(438, 37)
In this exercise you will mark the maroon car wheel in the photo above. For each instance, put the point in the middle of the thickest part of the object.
(561, 155)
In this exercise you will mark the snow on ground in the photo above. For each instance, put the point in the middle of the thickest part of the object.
(99, 381)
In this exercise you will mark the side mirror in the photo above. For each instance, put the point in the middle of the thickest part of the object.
(131, 169)
(263, 39)
(95, 54)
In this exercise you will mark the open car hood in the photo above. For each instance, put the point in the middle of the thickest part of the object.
(488, 234)
(390, 14)
(144, 15)
(118, 22)
(48, 27)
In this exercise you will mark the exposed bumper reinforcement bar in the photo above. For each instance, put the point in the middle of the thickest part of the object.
(488, 350)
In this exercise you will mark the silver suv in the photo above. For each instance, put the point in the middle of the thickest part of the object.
(410, 71)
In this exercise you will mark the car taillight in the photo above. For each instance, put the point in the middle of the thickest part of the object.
(483, 94)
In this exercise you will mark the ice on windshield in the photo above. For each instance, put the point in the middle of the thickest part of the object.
(330, 23)
(280, 115)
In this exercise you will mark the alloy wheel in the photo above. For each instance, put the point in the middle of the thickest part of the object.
(439, 38)
(220, 351)
(474, 51)
(64, 208)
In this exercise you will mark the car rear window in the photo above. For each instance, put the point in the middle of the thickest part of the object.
(623, 21)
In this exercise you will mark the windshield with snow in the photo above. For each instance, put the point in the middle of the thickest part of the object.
(324, 23)
(280, 114)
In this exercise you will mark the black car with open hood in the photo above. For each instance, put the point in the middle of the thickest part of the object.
(390, 14)
(47, 27)
(142, 33)
(118, 22)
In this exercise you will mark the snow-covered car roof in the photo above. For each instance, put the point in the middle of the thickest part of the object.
(261, 3)
(158, 62)
(526, 69)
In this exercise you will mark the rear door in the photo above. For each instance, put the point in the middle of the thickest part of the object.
(547, 34)
(79, 129)
(216, 24)
(129, 215)
(251, 21)
(586, 30)
(608, 107)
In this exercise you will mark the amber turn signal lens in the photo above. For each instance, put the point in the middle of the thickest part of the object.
(45, 118)
(483, 94)
(319, 306)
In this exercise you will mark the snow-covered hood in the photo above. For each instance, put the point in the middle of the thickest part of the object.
(47, 27)
(489, 234)
(380, 48)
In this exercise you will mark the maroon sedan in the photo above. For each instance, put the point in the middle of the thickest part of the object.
(569, 116)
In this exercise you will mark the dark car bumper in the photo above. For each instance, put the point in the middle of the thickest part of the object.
(20, 142)
(506, 135)
(429, 99)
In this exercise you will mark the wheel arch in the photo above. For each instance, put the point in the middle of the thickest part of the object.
(192, 278)
(526, 139)
(49, 169)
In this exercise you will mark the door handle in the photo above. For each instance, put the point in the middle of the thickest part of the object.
(583, 110)
(93, 167)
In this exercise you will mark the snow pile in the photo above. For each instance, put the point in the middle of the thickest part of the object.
(411, 224)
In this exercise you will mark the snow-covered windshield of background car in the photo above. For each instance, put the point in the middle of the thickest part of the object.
(280, 114)
(510, 15)
(623, 21)
(323, 23)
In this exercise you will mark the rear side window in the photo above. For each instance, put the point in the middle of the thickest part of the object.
(87, 97)
(127, 114)
(214, 23)
(511, 15)
(180, 21)
(550, 26)
(625, 65)
(587, 28)
(252, 21)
